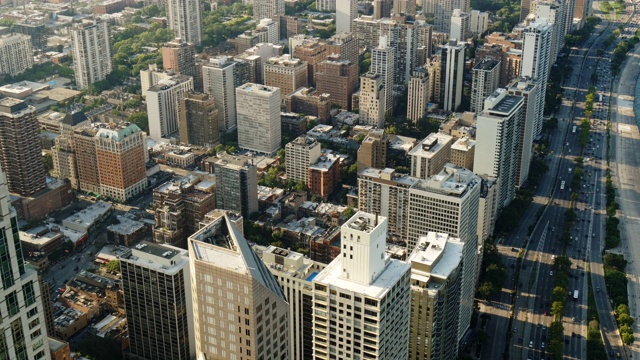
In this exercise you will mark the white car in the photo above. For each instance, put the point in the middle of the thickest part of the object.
(531, 344)
(551, 273)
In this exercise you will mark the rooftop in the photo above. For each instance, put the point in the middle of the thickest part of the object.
(364, 222)
(40, 235)
(486, 64)
(325, 162)
(163, 258)
(388, 175)
(451, 181)
(126, 226)
(431, 145)
(257, 88)
(507, 104)
(435, 254)
(463, 144)
(85, 218)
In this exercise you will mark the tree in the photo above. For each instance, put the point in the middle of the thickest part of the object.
(141, 119)
(301, 186)
(625, 319)
(47, 160)
(113, 266)
(349, 212)
(557, 309)
(281, 154)
(485, 290)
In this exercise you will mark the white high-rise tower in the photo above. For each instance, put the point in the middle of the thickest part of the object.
(91, 48)
(536, 52)
(183, 17)
(383, 64)
(346, 12)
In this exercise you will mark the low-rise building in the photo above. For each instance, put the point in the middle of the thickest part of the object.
(87, 219)
(126, 232)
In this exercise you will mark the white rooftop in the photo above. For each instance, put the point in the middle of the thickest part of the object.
(162, 258)
(431, 145)
(388, 174)
(463, 144)
(436, 254)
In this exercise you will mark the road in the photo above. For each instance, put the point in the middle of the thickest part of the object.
(535, 284)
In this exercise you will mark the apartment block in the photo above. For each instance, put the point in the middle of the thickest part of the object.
(497, 142)
(326, 5)
(258, 110)
(478, 22)
(339, 79)
(91, 49)
(448, 203)
(407, 7)
(463, 152)
(487, 209)
(312, 52)
(198, 122)
(183, 17)
(251, 320)
(267, 9)
(442, 11)
(346, 12)
(453, 74)
(20, 149)
(324, 175)
(486, 79)
(436, 282)
(431, 154)
(220, 77)
(16, 54)
(460, 25)
(383, 64)
(418, 94)
(344, 45)
(236, 184)
(385, 192)
(300, 154)
(536, 52)
(163, 105)
(157, 295)
(372, 152)
(526, 88)
(180, 56)
(309, 102)
(369, 289)
(372, 100)
(286, 73)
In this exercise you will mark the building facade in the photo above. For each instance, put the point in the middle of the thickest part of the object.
(528, 90)
(300, 153)
(16, 54)
(258, 109)
(198, 122)
(485, 80)
(431, 154)
(418, 94)
(220, 79)
(286, 73)
(372, 100)
(346, 12)
(236, 184)
(536, 52)
(163, 105)
(339, 79)
(180, 56)
(91, 49)
(453, 69)
(183, 17)
(373, 150)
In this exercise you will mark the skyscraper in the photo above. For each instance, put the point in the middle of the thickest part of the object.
(267, 9)
(91, 49)
(16, 54)
(241, 311)
(183, 17)
(448, 203)
(536, 50)
(220, 80)
(163, 105)
(179, 56)
(443, 9)
(373, 100)
(383, 64)
(20, 149)
(528, 90)
(258, 109)
(382, 8)
(300, 153)
(373, 150)
(286, 73)
(338, 78)
(236, 184)
(361, 299)
(460, 25)
(555, 13)
(485, 80)
(453, 65)
(418, 94)
(198, 122)
(326, 5)
(346, 12)
(23, 333)
(497, 144)
(157, 296)
(436, 281)
(407, 7)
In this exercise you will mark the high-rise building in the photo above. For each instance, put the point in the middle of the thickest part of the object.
(326, 5)
(220, 79)
(373, 150)
(267, 9)
(310, 102)
(431, 154)
(407, 7)
(365, 285)
(251, 320)
(418, 94)
(385, 192)
(478, 22)
(453, 69)
(236, 184)
(346, 12)
(443, 10)
(157, 295)
(152, 76)
(37, 31)
(372, 104)
(463, 153)
(179, 56)
(300, 153)
(434, 68)
(163, 105)
(270, 30)
(448, 203)
(498, 142)
(536, 51)
(120, 158)
(294, 272)
(382, 9)
(554, 13)
(23, 332)
(20, 149)
(84, 149)
(528, 90)
(487, 211)
(460, 25)
(286, 73)
(198, 122)
(91, 49)
(16, 54)
(436, 281)
(258, 109)
(344, 45)
(324, 175)
(383, 64)
(485, 80)
(312, 52)
(183, 17)
(338, 78)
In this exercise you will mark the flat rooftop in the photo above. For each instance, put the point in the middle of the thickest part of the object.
(452, 181)
(507, 104)
(486, 65)
(436, 254)
(162, 258)
(463, 144)
(364, 221)
(387, 175)
(431, 145)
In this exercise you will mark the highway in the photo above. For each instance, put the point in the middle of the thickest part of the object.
(530, 319)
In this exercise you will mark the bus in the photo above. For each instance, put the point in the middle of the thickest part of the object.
(575, 294)
(574, 130)
(562, 185)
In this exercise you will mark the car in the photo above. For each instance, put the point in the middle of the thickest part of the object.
(551, 273)
(531, 344)
(598, 289)
(542, 345)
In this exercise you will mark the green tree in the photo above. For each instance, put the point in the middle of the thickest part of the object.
(281, 154)
(113, 266)
(141, 119)
(47, 160)
(485, 290)
(349, 212)
(625, 319)
(301, 186)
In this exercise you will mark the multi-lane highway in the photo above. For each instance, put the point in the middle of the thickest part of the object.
(532, 305)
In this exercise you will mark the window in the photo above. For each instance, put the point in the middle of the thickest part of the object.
(29, 294)
(12, 303)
